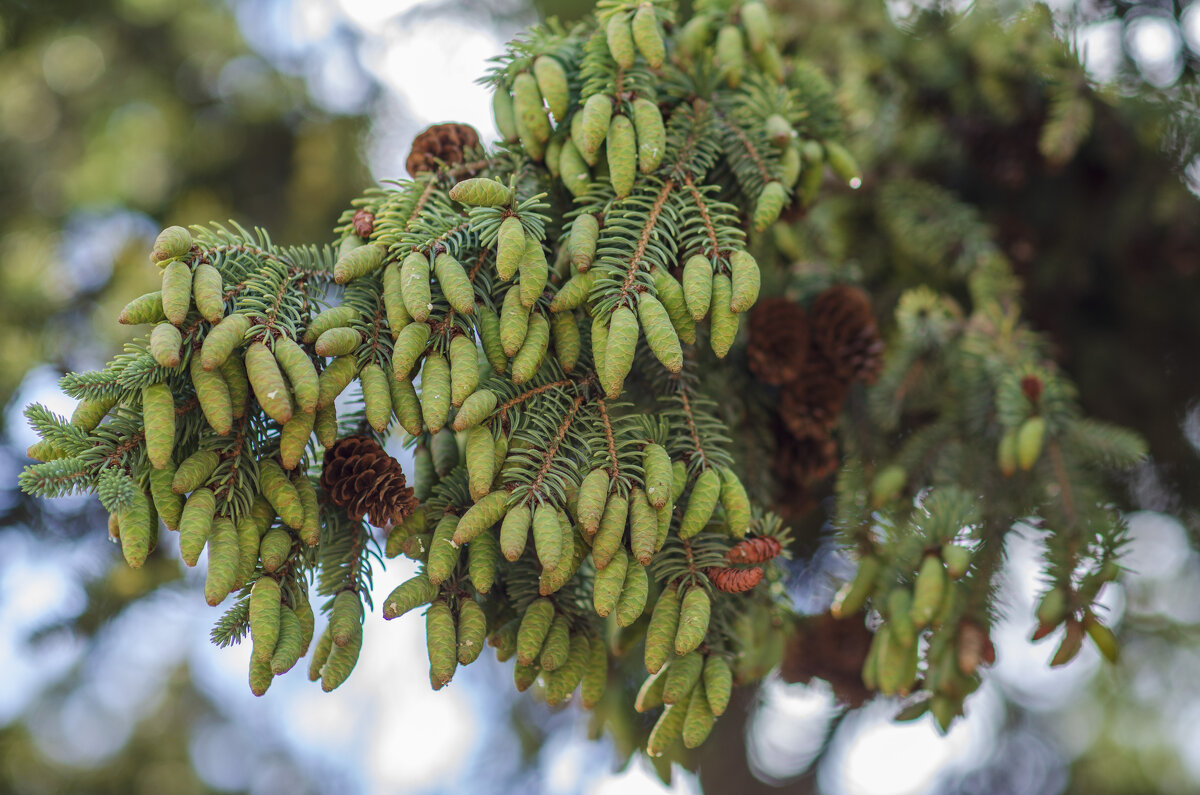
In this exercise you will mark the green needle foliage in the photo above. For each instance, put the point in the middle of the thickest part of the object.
(534, 318)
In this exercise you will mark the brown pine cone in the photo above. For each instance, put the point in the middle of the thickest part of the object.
(843, 328)
(440, 144)
(361, 477)
(778, 341)
(754, 550)
(810, 405)
(363, 223)
(802, 460)
(734, 580)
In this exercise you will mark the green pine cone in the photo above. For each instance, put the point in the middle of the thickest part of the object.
(464, 369)
(177, 292)
(595, 118)
(336, 376)
(502, 111)
(441, 641)
(265, 609)
(393, 302)
(572, 293)
(660, 333)
(310, 530)
(477, 407)
(339, 663)
(308, 621)
(928, 590)
(562, 682)
(345, 618)
(643, 527)
(443, 552)
(334, 317)
(267, 382)
(454, 283)
(524, 676)
(619, 350)
(533, 126)
(567, 341)
(694, 613)
(581, 243)
(325, 420)
(534, 272)
(263, 513)
(409, 595)
(233, 369)
(682, 675)
(701, 503)
(670, 293)
(414, 286)
(745, 281)
(489, 337)
(291, 641)
(481, 192)
(599, 343)
(472, 631)
(209, 292)
(293, 438)
(557, 644)
(724, 323)
(514, 322)
(535, 625)
(667, 729)
(593, 495)
(222, 339)
(595, 674)
(651, 134)
(482, 558)
(552, 84)
(168, 504)
(529, 358)
(248, 542)
(171, 243)
(573, 167)
(660, 634)
(274, 549)
(731, 57)
(280, 492)
(295, 364)
(409, 348)
(608, 583)
(514, 533)
(548, 536)
(195, 524)
(89, 412)
(158, 423)
(224, 557)
(634, 593)
(647, 37)
(480, 517)
(656, 464)
(622, 155)
(424, 476)
(139, 528)
(194, 471)
(736, 503)
(212, 392)
(718, 684)
(612, 530)
(358, 262)
(260, 674)
(146, 308)
(698, 285)
(435, 391)
(700, 719)
(377, 396)
(620, 40)
(510, 247)
(165, 342)
(481, 461)
(649, 695)
(842, 162)
(770, 203)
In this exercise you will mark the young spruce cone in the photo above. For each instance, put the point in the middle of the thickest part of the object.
(778, 341)
(440, 144)
(843, 328)
(361, 477)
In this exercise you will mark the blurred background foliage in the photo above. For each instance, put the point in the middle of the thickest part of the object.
(118, 117)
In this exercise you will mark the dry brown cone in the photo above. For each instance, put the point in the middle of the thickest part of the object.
(843, 328)
(802, 460)
(810, 405)
(778, 341)
(441, 143)
(831, 649)
(361, 477)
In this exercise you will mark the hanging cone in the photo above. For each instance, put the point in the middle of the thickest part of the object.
(804, 459)
(441, 144)
(778, 342)
(359, 476)
(844, 330)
